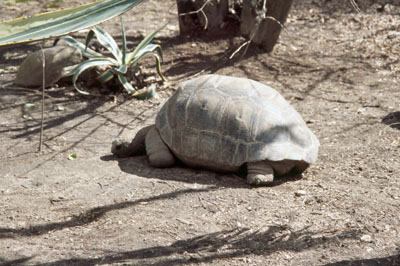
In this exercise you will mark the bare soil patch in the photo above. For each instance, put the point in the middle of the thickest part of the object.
(340, 70)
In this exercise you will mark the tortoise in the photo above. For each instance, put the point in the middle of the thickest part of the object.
(30, 73)
(224, 123)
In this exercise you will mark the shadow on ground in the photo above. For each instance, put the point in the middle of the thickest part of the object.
(90, 216)
(32, 127)
(386, 261)
(139, 166)
(392, 120)
(225, 244)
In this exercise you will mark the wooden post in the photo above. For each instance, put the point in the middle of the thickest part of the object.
(211, 14)
(268, 29)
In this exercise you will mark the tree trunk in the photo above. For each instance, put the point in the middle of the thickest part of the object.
(214, 14)
(267, 33)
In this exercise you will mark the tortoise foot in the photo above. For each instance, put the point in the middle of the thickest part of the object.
(259, 173)
(259, 179)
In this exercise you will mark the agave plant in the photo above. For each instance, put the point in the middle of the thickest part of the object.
(121, 62)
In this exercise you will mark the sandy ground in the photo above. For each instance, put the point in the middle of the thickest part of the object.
(340, 70)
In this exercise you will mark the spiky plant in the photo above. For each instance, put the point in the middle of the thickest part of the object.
(120, 64)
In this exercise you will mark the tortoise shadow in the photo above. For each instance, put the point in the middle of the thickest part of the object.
(392, 120)
(139, 166)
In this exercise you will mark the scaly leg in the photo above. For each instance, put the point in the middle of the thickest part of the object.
(157, 151)
(259, 173)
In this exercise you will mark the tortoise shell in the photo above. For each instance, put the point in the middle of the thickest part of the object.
(220, 122)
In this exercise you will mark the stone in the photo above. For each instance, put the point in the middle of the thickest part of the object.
(30, 73)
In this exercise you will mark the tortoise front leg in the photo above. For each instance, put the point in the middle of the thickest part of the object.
(124, 148)
(157, 151)
(259, 173)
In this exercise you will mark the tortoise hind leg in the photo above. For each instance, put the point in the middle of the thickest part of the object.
(259, 173)
(157, 151)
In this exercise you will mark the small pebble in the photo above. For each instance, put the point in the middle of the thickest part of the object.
(366, 238)
(171, 27)
(300, 193)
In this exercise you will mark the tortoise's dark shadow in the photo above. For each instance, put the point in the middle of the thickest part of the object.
(392, 120)
(139, 166)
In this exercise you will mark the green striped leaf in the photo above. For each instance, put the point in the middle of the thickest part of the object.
(144, 43)
(62, 22)
(151, 50)
(88, 64)
(124, 49)
(108, 42)
(87, 52)
(124, 81)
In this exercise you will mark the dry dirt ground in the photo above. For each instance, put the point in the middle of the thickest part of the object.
(340, 69)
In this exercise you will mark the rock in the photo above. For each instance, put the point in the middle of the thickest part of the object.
(30, 73)
(366, 238)
(385, 8)
(300, 193)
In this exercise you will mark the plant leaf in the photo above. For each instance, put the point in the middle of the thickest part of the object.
(69, 70)
(89, 37)
(108, 42)
(29, 105)
(88, 64)
(72, 156)
(106, 76)
(149, 48)
(149, 52)
(123, 69)
(126, 84)
(123, 42)
(144, 43)
(60, 22)
(87, 52)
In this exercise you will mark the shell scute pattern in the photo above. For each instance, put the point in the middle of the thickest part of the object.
(204, 111)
